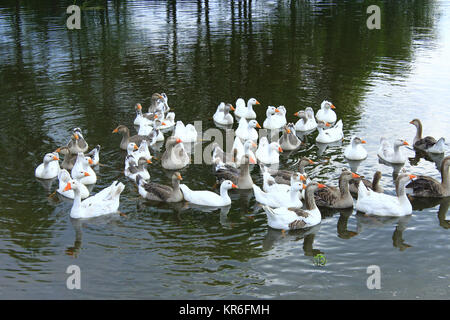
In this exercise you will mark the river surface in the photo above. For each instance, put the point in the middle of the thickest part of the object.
(201, 53)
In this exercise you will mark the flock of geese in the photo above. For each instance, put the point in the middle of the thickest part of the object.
(290, 199)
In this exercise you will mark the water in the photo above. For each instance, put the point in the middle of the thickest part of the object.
(201, 53)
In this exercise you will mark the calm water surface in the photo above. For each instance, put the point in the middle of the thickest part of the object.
(201, 53)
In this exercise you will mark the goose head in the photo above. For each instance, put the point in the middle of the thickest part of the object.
(327, 105)
(176, 178)
(416, 123)
(275, 146)
(297, 186)
(49, 157)
(250, 145)
(172, 141)
(74, 185)
(254, 124)
(138, 108)
(357, 140)
(400, 142)
(227, 185)
(271, 110)
(322, 124)
(64, 150)
(309, 112)
(132, 147)
(121, 129)
(347, 175)
(252, 102)
(297, 177)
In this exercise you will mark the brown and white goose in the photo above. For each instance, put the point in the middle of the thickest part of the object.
(423, 143)
(337, 197)
(77, 142)
(428, 187)
(126, 138)
(284, 176)
(69, 158)
(175, 156)
(159, 192)
(240, 177)
(289, 140)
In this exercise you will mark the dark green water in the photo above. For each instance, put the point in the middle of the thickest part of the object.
(294, 54)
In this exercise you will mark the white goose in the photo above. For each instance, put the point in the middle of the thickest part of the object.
(243, 111)
(294, 218)
(208, 198)
(307, 122)
(63, 178)
(168, 121)
(187, 133)
(49, 168)
(82, 164)
(94, 154)
(391, 152)
(270, 184)
(329, 135)
(279, 198)
(355, 151)
(381, 204)
(272, 121)
(105, 202)
(246, 130)
(243, 149)
(142, 119)
(325, 113)
(268, 153)
(222, 115)
(134, 168)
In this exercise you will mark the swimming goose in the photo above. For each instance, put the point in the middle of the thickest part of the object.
(289, 139)
(374, 184)
(142, 119)
(280, 198)
(126, 139)
(69, 158)
(94, 154)
(381, 204)
(281, 116)
(428, 187)
(154, 133)
(355, 151)
(428, 142)
(49, 168)
(77, 142)
(134, 168)
(222, 115)
(392, 153)
(325, 113)
(272, 121)
(208, 198)
(157, 103)
(329, 135)
(307, 121)
(63, 178)
(168, 121)
(337, 197)
(246, 130)
(294, 218)
(83, 164)
(244, 149)
(220, 158)
(243, 111)
(186, 132)
(270, 184)
(104, 202)
(159, 192)
(268, 153)
(284, 176)
(241, 177)
(175, 156)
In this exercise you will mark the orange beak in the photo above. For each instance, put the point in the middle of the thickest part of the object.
(302, 178)
(68, 187)
(296, 114)
(76, 136)
(288, 130)
(136, 147)
(55, 158)
(90, 161)
(276, 110)
(363, 141)
(234, 186)
(86, 174)
(258, 126)
(155, 117)
(139, 106)
(354, 175)
(257, 102)
(411, 176)
(327, 124)
(304, 186)
(279, 149)
(179, 177)
(321, 185)
(163, 123)
(411, 122)
(58, 150)
(115, 130)
(232, 108)
(405, 143)
(252, 160)
(149, 161)
(179, 140)
(254, 145)
(333, 107)
(311, 162)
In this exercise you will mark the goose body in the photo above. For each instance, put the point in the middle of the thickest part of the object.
(268, 153)
(104, 202)
(246, 130)
(280, 198)
(241, 177)
(175, 156)
(355, 151)
(49, 168)
(284, 176)
(246, 112)
(134, 168)
(337, 197)
(77, 142)
(373, 185)
(285, 218)
(187, 133)
(325, 113)
(159, 192)
(222, 115)
(381, 204)
(306, 122)
(391, 152)
(82, 165)
(63, 178)
(273, 121)
(208, 198)
(289, 139)
(427, 187)
(69, 158)
(427, 143)
(329, 135)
